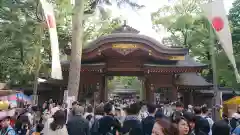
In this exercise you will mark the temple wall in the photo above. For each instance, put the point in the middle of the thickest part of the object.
(47, 92)
(202, 98)
(88, 85)
(160, 80)
(56, 95)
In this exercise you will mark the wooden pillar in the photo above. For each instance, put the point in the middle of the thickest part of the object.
(102, 88)
(149, 91)
(82, 86)
(191, 97)
(96, 94)
(80, 90)
(106, 88)
(61, 94)
(174, 94)
(143, 89)
(186, 98)
(143, 94)
(152, 90)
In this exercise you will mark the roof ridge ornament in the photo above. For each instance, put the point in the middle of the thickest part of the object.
(125, 23)
(125, 29)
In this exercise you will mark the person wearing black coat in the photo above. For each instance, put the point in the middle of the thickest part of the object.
(77, 125)
(201, 124)
(221, 128)
(148, 122)
(132, 124)
(108, 124)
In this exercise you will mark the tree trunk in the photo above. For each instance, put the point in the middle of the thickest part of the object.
(38, 66)
(76, 49)
(21, 53)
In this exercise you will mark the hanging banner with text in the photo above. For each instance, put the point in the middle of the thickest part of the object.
(51, 23)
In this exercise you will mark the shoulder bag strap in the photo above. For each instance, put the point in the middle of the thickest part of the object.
(7, 131)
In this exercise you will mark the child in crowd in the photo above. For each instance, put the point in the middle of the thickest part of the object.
(39, 129)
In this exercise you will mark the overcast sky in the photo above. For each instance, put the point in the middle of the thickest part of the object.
(141, 19)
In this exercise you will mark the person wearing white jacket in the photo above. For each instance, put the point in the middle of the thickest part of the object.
(56, 124)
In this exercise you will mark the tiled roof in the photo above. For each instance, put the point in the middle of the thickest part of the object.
(191, 79)
(134, 38)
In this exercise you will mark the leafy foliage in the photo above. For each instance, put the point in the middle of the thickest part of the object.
(188, 28)
(126, 81)
(234, 14)
(16, 50)
(20, 36)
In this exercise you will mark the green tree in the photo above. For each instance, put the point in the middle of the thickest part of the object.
(17, 49)
(19, 37)
(188, 28)
(77, 40)
(235, 27)
(130, 82)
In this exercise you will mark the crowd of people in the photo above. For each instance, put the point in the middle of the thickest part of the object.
(109, 118)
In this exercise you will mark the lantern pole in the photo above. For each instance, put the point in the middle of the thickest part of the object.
(217, 98)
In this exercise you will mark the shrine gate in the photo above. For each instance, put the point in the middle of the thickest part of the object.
(166, 71)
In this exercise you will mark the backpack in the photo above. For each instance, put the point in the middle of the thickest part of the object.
(234, 123)
(209, 119)
(128, 132)
(95, 128)
(202, 126)
(135, 129)
(238, 123)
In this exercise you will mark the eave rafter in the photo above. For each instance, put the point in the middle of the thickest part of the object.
(173, 69)
(183, 87)
(97, 67)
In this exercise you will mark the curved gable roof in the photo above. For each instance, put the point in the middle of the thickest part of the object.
(191, 79)
(134, 38)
